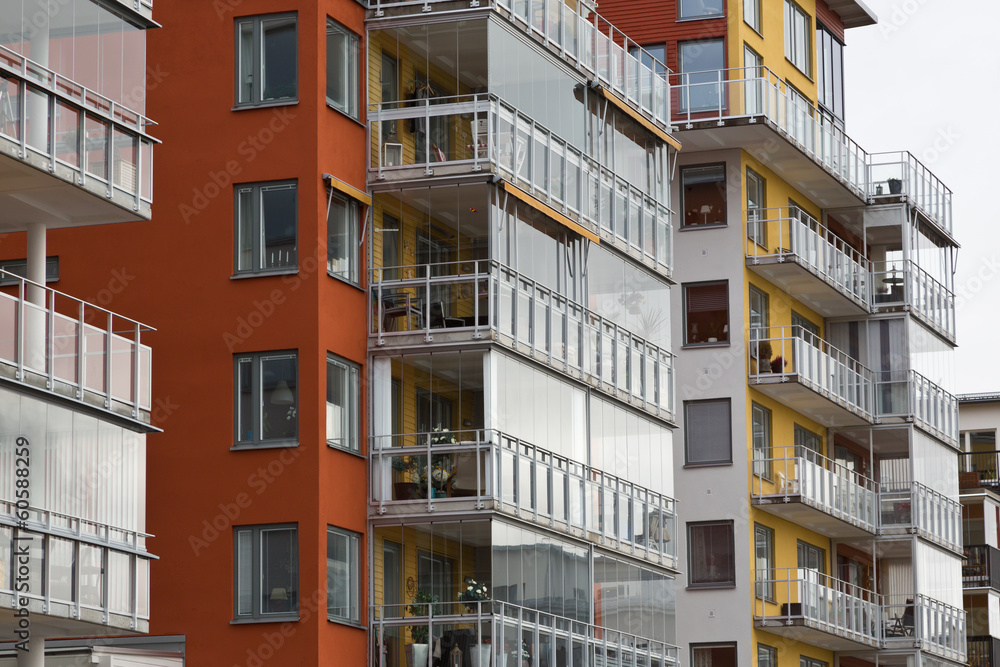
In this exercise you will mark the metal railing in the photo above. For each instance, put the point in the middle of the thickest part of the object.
(938, 627)
(497, 136)
(790, 234)
(819, 482)
(909, 285)
(749, 92)
(784, 595)
(901, 173)
(908, 394)
(493, 469)
(499, 633)
(63, 340)
(978, 469)
(981, 567)
(75, 130)
(525, 316)
(583, 38)
(794, 352)
(918, 508)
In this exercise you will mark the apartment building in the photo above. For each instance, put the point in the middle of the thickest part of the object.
(75, 393)
(814, 331)
(978, 419)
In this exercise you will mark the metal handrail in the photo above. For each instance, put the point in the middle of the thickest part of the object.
(48, 521)
(928, 297)
(934, 408)
(939, 627)
(916, 182)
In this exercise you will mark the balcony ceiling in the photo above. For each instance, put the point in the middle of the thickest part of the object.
(810, 517)
(52, 627)
(854, 13)
(800, 632)
(808, 402)
(807, 287)
(29, 195)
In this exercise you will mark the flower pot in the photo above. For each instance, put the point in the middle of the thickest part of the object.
(404, 490)
(416, 655)
(895, 186)
(482, 655)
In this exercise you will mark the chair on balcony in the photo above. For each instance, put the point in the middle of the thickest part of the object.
(787, 486)
(463, 481)
(438, 319)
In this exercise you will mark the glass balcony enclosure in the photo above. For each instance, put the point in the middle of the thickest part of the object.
(908, 394)
(901, 175)
(936, 627)
(905, 284)
(915, 506)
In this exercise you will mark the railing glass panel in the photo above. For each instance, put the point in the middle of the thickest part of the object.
(906, 284)
(910, 394)
(915, 506)
(901, 173)
(940, 628)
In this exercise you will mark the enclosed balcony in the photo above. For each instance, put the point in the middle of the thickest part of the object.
(447, 472)
(920, 621)
(810, 490)
(904, 285)
(468, 302)
(979, 470)
(61, 345)
(802, 371)
(983, 651)
(792, 250)
(750, 108)
(471, 134)
(911, 507)
(70, 156)
(900, 176)
(981, 567)
(910, 397)
(809, 606)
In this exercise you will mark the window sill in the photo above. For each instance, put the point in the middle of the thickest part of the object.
(264, 274)
(691, 228)
(706, 17)
(356, 285)
(807, 76)
(710, 587)
(758, 32)
(265, 105)
(350, 624)
(347, 451)
(698, 346)
(290, 618)
(709, 465)
(278, 444)
(344, 113)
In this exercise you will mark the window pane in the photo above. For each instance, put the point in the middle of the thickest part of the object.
(244, 572)
(278, 218)
(279, 397)
(91, 575)
(700, 65)
(703, 195)
(342, 575)
(711, 558)
(707, 432)
(245, 75)
(61, 569)
(245, 404)
(767, 656)
(342, 240)
(761, 426)
(751, 13)
(341, 404)
(693, 8)
(244, 225)
(278, 571)
(341, 65)
(278, 67)
(706, 313)
(713, 656)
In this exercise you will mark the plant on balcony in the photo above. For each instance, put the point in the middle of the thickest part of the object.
(778, 364)
(421, 606)
(474, 592)
(442, 436)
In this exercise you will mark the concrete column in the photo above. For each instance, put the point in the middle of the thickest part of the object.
(34, 320)
(35, 655)
(38, 126)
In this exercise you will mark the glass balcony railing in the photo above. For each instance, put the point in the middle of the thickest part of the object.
(498, 633)
(74, 132)
(981, 567)
(819, 482)
(794, 353)
(902, 174)
(478, 298)
(783, 596)
(790, 234)
(719, 95)
(908, 394)
(72, 347)
(495, 470)
(938, 627)
(915, 507)
(906, 284)
(581, 37)
(475, 132)
(978, 469)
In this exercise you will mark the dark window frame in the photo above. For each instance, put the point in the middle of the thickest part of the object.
(684, 291)
(19, 267)
(728, 583)
(699, 17)
(255, 228)
(256, 94)
(755, 215)
(714, 645)
(353, 583)
(762, 466)
(723, 190)
(352, 69)
(687, 443)
(255, 615)
(257, 400)
(352, 390)
(353, 215)
(764, 590)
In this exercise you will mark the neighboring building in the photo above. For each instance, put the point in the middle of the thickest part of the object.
(815, 324)
(979, 479)
(75, 394)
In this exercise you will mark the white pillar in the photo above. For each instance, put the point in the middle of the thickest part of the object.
(36, 259)
(38, 126)
(34, 318)
(35, 655)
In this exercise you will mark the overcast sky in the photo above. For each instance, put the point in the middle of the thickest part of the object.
(926, 80)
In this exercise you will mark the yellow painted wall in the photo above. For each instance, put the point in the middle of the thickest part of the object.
(789, 652)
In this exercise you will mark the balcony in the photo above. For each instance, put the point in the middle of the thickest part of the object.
(84, 574)
(912, 288)
(921, 622)
(792, 250)
(563, 182)
(983, 651)
(804, 372)
(468, 302)
(498, 633)
(981, 567)
(809, 606)
(910, 397)
(811, 490)
(57, 344)
(894, 177)
(747, 107)
(473, 471)
(978, 470)
(78, 158)
(576, 35)
(912, 507)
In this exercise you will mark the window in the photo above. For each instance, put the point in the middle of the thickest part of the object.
(753, 68)
(706, 313)
(798, 27)
(390, 94)
(703, 195)
(810, 557)
(19, 267)
(756, 227)
(764, 561)
(804, 328)
(342, 393)
(343, 575)
(652, 56)
(267, 571)
(701, 63)
(707, 432)
(810, 662)
(807, 443)
(696, 9)
(267, 398)
(761, 425)
(266, 58)
(830, 71)
(266, 227)
(390, 247)
(759, 319)
(711, 559)
(767, 656)
(343, 247)
(341, 68)
(751, 14)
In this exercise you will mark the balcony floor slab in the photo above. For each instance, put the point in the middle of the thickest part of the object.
(791, 275)
(800, 629)
(789, 391)
(58, 621)
(794, 509)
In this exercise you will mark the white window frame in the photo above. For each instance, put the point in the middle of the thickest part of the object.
(756, 227)
(250, 72)
(682, 17)
(249, 221)
(250, 536)
(254, 362)
(349, 415)
(348, 227)
(798, 38)
(351, 573)
(343, 62)
(751, 15)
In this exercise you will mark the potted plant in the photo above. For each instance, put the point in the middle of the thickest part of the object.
(760, 356)
(474, 592)
(482, 654)
(416, 652)
(407, 489)
(778, 364)
(895, 186)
